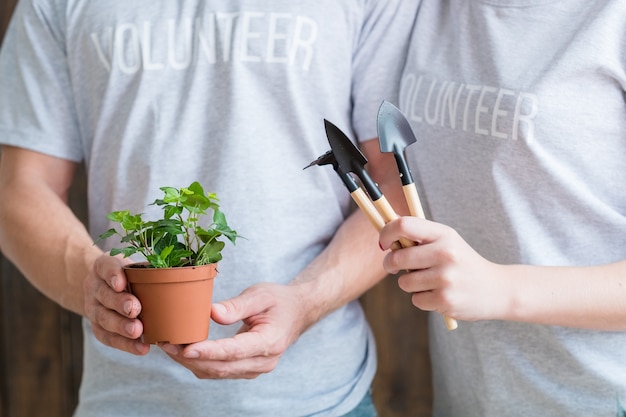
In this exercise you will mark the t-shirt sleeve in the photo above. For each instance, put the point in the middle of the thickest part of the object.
(37, 111)
(379, 59)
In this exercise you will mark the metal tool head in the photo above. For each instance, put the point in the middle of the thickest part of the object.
(394, 130)
(326, 159)
(350, 158)
(329, 159)
(394, 135)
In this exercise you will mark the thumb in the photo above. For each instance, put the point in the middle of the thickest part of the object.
(219, 313)
(109, 269)
(411, 228)
(249, 303)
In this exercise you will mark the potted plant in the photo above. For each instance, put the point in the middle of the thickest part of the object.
(175, 282)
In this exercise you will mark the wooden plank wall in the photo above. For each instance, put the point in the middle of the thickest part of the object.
(41, 344)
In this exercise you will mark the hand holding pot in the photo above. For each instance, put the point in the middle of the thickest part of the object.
(113, 311)
(273, 319)
(446, 274)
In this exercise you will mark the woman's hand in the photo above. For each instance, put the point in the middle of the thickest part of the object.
(443, 272)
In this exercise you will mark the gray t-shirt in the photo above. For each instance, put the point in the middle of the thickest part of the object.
(232, 94)
(518, 107)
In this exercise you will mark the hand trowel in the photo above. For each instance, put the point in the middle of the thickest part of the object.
(394, 135)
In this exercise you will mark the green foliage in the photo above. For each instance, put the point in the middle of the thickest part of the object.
(177, 239)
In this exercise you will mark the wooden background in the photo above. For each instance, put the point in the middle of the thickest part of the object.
(41, 344)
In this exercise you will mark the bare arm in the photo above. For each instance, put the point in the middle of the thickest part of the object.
(38, 231)
(450, 277)
(586, 297)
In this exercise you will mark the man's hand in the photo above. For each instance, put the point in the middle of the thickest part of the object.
(273, 318)
(111, 309)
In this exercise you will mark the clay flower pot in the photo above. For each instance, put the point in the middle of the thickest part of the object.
(175, 302)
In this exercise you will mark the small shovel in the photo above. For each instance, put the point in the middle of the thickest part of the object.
(350, 159)
(394, 135)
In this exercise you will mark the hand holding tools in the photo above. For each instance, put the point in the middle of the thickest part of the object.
(394, 135)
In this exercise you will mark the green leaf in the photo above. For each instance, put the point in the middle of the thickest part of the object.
(107, 234)
(179, 257)
(172, 226)
(156, 261)
(222, 226)
(165, 240)
(211, 253)
(171, 211)
(132, 222)
(118, 216)
(164, 253)
(128, 251)
(172, 195)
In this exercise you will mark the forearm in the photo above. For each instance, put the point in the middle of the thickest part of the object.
(48, 244)
(584, 297)
(353, 262)
(348, 267)
(38, 231)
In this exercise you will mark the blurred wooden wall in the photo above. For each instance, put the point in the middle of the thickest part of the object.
(41, 344)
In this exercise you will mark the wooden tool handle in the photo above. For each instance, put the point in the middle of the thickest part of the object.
(365, 204)
(413, 201)
(451, 323)
(415, 207)
(385, 210)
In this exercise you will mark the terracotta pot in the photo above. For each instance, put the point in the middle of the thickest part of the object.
(175, 302)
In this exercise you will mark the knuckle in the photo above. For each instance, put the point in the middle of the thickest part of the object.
(217, 373)
(237, 353)
(99, 316)
(264, 293)
(395, 258)
(448, 254)
(404, 223)
(268, 367)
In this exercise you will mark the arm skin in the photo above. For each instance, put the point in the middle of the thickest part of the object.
(38, 231)
(451, 278)
(89, 282)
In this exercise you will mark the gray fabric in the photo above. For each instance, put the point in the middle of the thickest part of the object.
(232, 94)
(519, 111)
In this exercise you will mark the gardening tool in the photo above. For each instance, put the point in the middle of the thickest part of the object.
(394, 135)
(350, 159)
(357, 193)
(346, 158)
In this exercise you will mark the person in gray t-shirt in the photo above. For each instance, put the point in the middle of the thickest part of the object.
(520, 113)
(233, 94)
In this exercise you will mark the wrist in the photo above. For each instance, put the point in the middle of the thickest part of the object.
(315, 297)
(512, 306)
